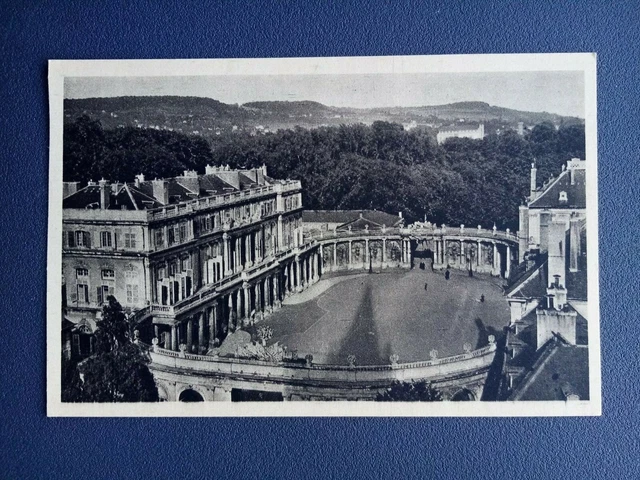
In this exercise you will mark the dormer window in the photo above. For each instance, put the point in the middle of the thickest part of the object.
(563, 197)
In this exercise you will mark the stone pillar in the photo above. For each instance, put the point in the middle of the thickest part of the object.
(384, 252)
(265, 294)
(463, 254)
(436, 253)
(239, 297)
(201, 322)
(174, 338)
(256, 297)
(280, 246)
(247, 300)
(508, 259)
(296, 279)
(156, 332)
(349, 256)
(213, 321)
(318, 262)
(274, 287)
(189, 335)
(335, 255)
(479, 254)
(495, 260)
(366, 252)
(225, 256)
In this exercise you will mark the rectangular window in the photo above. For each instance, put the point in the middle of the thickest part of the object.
(159, 238)
(183, 233)
(105, 239)
(83, 239)
(108, 274)
(184, 264)
(82, 272)
(129, 240)
(132, 294)
(172, 238)
(83, 294)
(103, 293)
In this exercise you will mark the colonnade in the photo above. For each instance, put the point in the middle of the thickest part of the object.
(470, 253)
(253, 299)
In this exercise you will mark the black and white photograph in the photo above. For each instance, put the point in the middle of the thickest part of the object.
(287, 237)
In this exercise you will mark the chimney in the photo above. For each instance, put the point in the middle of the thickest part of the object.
(139, 179)
(115, 186)
(260, 175)
(69, 188)
(105, 194)
(574, 244)
(190, 181)
(161, 191)
(264, 169)
(209, 170)
(557, 252)
(532, 189)
(400, 214)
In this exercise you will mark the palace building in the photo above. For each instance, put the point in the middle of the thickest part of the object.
(192, 257)
(547, 343)
(464, 130)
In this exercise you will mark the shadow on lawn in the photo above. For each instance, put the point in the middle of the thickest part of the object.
(362, 338)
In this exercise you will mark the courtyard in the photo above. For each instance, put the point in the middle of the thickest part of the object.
(373, 316)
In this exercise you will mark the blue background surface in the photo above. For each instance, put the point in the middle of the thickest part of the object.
(33, 446)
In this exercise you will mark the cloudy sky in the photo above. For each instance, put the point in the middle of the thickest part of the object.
(555, 92)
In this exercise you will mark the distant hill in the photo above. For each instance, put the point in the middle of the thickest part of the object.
(208, 117)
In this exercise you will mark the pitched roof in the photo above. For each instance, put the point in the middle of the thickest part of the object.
(460, 127)
(576, 192)
(347, 216)
(563, 369)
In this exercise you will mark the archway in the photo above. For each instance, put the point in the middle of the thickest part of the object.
(190, 395)
(463, 395)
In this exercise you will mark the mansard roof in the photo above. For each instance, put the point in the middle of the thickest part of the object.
(124, 197)
(576, 192)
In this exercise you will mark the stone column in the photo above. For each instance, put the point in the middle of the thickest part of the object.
(274, 287)
(189, 335)
(174, 338)
(239, 297)
(297, 274)
(495, 259)
(349, 256)
(201, 322)
(213, 321)
(384, 252)
(265, 294)
(335, 255)
(463, 254)
(280, 245)
(247, 299)
(366, 252)
(479, 254)
(156, 332)
(318, 266)
(225, 254)
(508, 259)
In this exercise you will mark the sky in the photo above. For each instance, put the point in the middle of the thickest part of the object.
(562, 93)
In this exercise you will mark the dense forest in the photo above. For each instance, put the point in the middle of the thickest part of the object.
(381, 166)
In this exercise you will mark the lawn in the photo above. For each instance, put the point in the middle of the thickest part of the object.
(373, 316)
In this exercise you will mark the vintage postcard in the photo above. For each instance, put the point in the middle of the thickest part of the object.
(367, 236)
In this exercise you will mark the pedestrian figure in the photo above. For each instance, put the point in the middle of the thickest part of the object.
(482, 298)
(447, 274)
(425, 286)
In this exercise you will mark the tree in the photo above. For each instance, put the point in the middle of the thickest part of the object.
(118, 371)
(421, 391)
